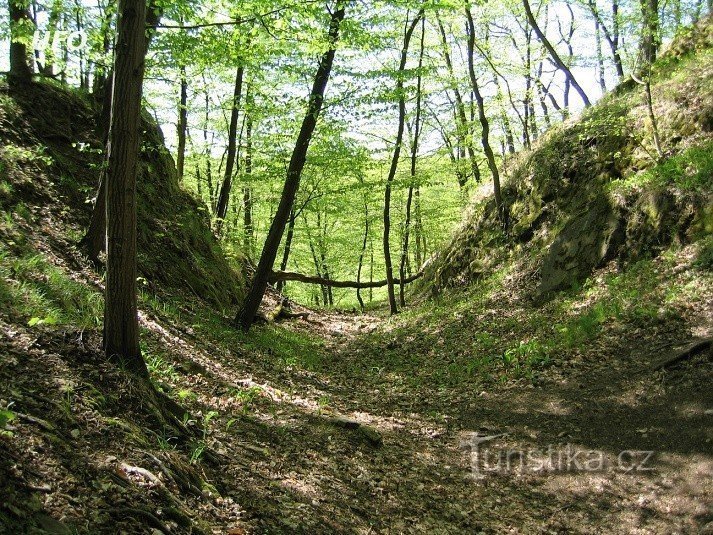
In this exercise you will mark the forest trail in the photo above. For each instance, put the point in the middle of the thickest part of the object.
(605, 444)
(625, 448)
(280, 450)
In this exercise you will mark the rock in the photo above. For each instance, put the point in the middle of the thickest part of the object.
(587, 239)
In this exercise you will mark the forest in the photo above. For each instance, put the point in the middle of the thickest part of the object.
(347, 266)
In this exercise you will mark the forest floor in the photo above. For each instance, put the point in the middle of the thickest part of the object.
(477, 412)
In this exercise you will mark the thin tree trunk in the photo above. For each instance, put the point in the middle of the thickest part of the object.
(288, 247)
(600, 57)
(553, 54)
(121, 326)
(414, 157)
(363, 252)
(208, 156)
(461, 119)
(371, 270)
(612, 38)
(395, 162)
(492, 165)
(182, 123)
(542, 97)
(224, 196)
(246, 315)
(247, 188)
(567, 40)
(418, 230)
(47, 69)
(83, 62)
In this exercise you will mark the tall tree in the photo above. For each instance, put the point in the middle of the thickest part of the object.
(462, 126)
(561, 65)
(94, 240)
(650, 38)
(395, 160)
(246, 315)
(224, 196)
(485, 126)
(21, 29)
(121, 326)
(414, 158)
(182, 123)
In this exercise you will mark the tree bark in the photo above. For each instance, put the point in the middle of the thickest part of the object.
(462, 125)
(600, 57)
(252, 302)
(288, 247)
(395, 162)
(553, 53)
(363, 252)
(182, 124)
(94, 240)
(224, 196)
(20, 22)
(247, 188)
(121, 326)
(308, 279)
(650, 30)
(485, 127)
(414, 157)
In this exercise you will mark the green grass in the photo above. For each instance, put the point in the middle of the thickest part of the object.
(689, 171)
(41, 293)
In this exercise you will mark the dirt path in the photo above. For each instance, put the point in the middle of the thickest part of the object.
(275, 458)
(608, 445)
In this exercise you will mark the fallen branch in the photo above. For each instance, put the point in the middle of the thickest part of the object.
(309, 279)
(371, 435)
(691, 350)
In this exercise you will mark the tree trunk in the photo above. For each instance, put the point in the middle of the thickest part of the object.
(95, 238)
(182, 124)
(414, 157)
(121, 326)
(600, 57)
(247, 188)
(20, 22)
(47, 69)
(252, 302)
(462, 124)
(395, 162)
(553, 54)
(418, 230)
(224, 196)
(611, 37)
(485, 137)
(363, 252)
(650, 30)
(288, 247)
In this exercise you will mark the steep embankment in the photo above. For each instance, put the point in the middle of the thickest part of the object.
(595, 189)
(49, 167)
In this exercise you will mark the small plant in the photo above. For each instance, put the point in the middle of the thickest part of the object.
(200, 445)
(6, 416)
(246, 397)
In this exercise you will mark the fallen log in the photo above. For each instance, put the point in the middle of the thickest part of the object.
(691, 350)
(310, 279)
